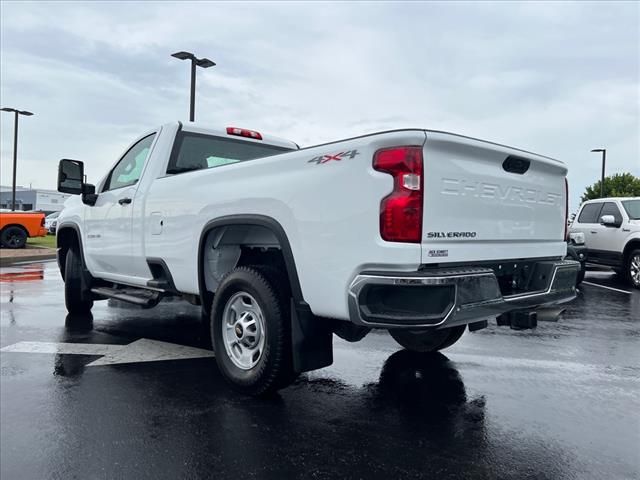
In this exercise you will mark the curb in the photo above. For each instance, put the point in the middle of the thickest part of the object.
(5, 261)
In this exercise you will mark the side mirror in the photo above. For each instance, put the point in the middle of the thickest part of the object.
(608, 221)
(70, 176)
(71, 180)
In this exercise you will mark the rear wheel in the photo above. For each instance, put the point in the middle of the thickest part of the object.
(77, 296)
(13, 237)
(251, 331)
(632, 268)
(427, 340)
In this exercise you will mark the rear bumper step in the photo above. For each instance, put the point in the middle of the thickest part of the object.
(447, 297)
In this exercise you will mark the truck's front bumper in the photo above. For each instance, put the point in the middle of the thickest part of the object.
(453, 296)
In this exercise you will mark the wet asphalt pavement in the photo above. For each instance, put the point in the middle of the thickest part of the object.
(559, 402)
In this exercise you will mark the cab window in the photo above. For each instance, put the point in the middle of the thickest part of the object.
(610, 208)
(128, 170)
(195, 151)
(589, 213)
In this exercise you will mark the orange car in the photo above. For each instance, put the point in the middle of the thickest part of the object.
(16, 227)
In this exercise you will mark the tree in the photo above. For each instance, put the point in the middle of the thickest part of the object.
(618, 185)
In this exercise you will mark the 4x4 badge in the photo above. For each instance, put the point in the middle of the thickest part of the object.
(337, 157)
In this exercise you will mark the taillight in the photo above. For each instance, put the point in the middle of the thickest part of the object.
(401, 210)
(243, 132)
(566, 209)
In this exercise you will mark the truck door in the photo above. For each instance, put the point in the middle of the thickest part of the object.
(588, 223)
(608, 241)
(109, 243)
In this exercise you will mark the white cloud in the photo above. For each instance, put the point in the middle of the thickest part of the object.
(555, 78)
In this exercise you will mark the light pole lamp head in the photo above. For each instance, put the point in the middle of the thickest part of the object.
(205, 63)
(19, 112)
(184, 55)
(598, 150)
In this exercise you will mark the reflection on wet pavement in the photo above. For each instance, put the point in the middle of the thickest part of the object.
(558, 402)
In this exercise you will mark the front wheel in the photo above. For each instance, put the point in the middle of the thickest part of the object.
(13, 237)
(632, 268)
(77, 296)
(251, 332)
(427, 340)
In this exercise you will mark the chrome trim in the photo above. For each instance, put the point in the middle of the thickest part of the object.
(461, 313)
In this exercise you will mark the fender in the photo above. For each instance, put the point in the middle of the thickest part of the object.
(60, 255)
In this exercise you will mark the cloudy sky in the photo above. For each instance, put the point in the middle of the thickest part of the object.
(555, 78)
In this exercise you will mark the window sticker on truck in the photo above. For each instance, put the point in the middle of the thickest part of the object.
(337, 157)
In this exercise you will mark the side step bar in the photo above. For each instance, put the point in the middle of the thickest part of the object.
(137, 296)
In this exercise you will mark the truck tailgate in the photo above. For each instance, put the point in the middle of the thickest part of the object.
(485, 201)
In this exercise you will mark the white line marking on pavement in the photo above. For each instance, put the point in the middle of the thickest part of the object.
(608, 288)
(143, 350)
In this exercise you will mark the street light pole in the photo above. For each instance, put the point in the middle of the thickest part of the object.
(15, 161)
(15, 150)
(604, 159)
(195, 62)
(192, 104)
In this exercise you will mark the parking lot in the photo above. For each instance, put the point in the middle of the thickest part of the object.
(137, 395)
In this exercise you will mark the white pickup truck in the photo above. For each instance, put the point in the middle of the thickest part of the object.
(415, 231)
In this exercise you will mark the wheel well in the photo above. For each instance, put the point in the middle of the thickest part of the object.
(67, 238)
(241, 241)
(633, 244)
(238, 245)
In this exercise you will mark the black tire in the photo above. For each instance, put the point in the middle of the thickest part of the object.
(632, 268)
(427, 340)
(273, 369)
(14, 237)
(77, 295)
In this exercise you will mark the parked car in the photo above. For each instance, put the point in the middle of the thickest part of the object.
(50, 220)
(415, 231)
(610, 229)
(16, 227)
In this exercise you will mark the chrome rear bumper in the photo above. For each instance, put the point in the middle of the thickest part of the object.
(453, 296)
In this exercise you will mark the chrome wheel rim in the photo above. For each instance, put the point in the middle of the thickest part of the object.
(243, 330)
(634, 269)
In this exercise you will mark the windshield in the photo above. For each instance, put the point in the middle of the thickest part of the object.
(633, 208)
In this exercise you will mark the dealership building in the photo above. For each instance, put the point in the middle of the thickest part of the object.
(47, 201)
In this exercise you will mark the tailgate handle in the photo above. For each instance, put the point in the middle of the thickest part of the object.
(513, 164)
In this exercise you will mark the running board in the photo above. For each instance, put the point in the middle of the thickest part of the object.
(137, 296)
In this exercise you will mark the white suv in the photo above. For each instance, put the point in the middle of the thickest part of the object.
(611, 231)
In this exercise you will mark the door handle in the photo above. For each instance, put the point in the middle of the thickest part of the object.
(592, 231)
(124, 201)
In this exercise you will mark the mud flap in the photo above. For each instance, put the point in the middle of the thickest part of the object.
(311, 338)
